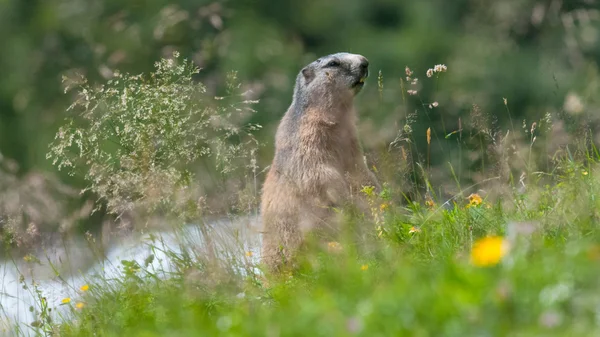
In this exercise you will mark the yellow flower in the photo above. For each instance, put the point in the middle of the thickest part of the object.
(489, 251)
(383, 207)
(66, 300)
(364, 267)
(85, 287)
(249, 254)
(79, 305)
(474, 200)
(414, 229)
(584, 173)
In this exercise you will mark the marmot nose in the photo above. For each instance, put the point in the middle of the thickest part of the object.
(364, 63)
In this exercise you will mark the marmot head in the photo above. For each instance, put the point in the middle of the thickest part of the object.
(340, 73)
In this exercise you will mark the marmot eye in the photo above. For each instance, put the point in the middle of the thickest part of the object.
(333, 63)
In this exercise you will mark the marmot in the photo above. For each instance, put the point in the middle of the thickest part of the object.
(318, 159)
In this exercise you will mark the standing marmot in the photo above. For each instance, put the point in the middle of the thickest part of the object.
(318, 160)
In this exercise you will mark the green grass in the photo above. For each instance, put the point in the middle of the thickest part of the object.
(397, 284)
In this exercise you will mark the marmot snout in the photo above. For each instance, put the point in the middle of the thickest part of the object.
(318, 160)
(342, 69)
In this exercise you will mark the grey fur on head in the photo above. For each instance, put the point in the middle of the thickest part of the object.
(334, 72)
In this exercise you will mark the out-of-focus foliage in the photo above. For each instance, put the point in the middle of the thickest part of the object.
(541, 56)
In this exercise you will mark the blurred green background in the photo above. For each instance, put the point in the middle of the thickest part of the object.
(542, 56)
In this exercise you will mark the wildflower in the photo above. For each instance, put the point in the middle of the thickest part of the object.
(408, 71)
(249, 254)
(585, 173)
(414, 229)
(411, 92)
(84, 287)
(439, 68)
(79, 305)
(488, 251)
(32, 230)
(474, 200)
(435, 104)
(334, 247)
(66, 300)
(429, 72)
(364, 267)
(383, 207)
(429, 203)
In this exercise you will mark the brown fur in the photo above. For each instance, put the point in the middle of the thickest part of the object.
(318, 160)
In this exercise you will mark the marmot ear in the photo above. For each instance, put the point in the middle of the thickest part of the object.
(308, 74)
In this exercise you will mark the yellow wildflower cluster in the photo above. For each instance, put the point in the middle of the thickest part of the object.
(489, 251)
(377, 209)
(78, 305)
(474, 200)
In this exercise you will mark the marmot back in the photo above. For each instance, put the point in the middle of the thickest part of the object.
(318, 159)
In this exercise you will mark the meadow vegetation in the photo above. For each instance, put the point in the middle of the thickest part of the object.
(515, 253)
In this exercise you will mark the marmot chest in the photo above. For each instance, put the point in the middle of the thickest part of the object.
(338, 145)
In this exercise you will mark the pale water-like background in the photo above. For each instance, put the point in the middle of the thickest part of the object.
(77, 264)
